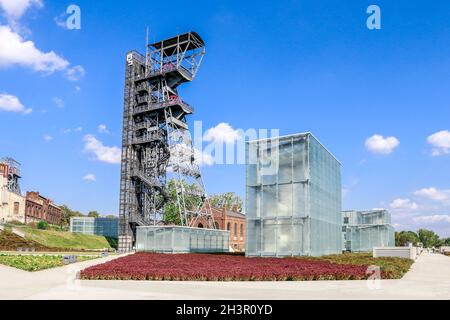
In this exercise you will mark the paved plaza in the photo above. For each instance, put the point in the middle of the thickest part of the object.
(429, 278)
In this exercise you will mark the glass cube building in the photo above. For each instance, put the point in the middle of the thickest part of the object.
(175, 239)
(364, 230)
(293, 198)
(99, 226)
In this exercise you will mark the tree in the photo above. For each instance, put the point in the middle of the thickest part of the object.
(404, 237)
(111, 216)
(428, 238)
(191, 200)
(229, 199)
(66, 214)
(93, 214)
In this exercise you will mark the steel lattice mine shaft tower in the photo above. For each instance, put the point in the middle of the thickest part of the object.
(157, 150)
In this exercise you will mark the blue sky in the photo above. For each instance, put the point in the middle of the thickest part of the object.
(378, 99)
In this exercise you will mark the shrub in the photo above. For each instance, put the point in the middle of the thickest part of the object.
(42, 225)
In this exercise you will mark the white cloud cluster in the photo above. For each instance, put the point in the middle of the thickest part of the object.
(58, 102)
(181, 154)
(203, 158)
(17, 51)
(433, 194)
(440, 142)
(14, 9)
(403, 204)
(102, 129)
(382, 145)
(11, 103)
(76, 130)
(90, 177)
(14, 50)
(75, 73)
(433, 219)
(222, 133)
(48, 138)
(101, 152)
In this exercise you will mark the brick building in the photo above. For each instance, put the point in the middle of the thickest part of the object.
(230, 220)
(39, 208)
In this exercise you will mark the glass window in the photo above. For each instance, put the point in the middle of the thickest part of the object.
(16, 208)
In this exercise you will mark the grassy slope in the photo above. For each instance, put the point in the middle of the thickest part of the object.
(394, 268)
(65, 240)
(11, 242)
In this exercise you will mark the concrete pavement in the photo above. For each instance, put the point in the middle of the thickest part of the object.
(429, 278)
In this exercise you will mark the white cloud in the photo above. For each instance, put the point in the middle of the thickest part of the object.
(202, 158)
(61, 21)
(48, 138)
(433, 194)
(90, 177)
(433, 219)
(75, 73)
(77, 88)
(403, 204)
(14, 50)
(381, 145)
(440, 142)
(345, 191)
(58, 102)
(223, 132)
(102, 129)
(11, 103)
(14, 9)
(76, 130)
(180, 154)
(101, 152)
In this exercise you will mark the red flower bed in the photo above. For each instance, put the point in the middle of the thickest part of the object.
(207, 267)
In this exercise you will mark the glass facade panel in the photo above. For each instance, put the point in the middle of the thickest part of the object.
(285, 164)
(300, 195)
(294, 209)
(269, 201)
(99, 226)
(364, 230)
(181, 240)
(285, 198)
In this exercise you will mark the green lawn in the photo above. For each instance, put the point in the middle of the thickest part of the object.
(36, 263)
(65, 240)
(394, 268)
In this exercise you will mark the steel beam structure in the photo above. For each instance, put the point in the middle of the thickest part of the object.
(13, 174)
(156, 143)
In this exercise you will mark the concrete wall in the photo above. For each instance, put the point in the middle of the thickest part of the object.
(12, 206)
(397, 252)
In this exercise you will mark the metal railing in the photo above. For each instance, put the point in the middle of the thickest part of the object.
(170, 67)
(156, 106)
(149, 137)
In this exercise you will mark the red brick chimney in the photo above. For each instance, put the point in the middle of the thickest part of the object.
(224, 210)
